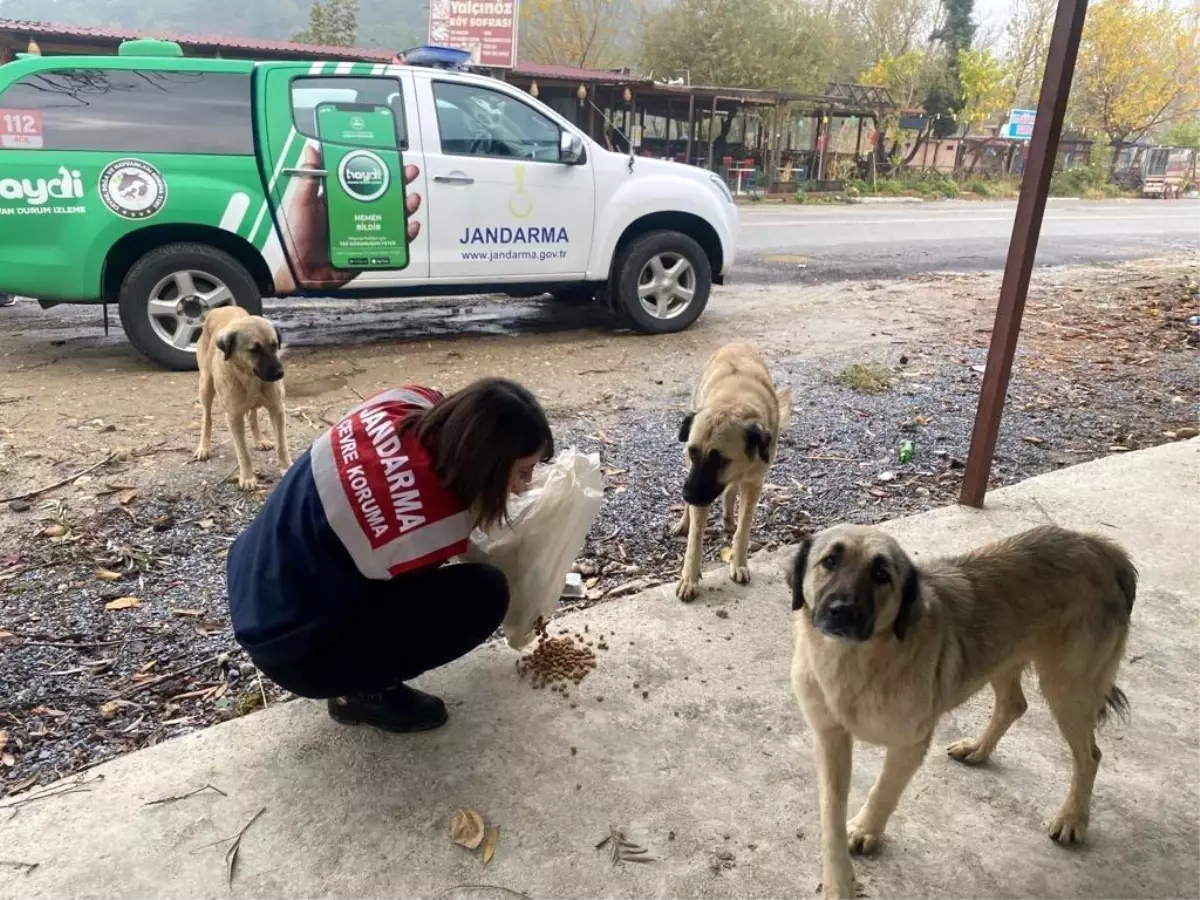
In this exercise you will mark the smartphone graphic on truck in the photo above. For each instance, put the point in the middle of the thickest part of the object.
(364, 188)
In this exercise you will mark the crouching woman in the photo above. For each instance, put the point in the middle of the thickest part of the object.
(338, 588)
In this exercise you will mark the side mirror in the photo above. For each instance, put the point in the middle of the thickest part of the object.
(570, 148)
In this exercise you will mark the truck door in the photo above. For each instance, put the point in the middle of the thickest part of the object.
(334, 140)
(503, 206)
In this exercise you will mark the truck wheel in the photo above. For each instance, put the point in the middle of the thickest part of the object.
(662, 281)
(167, 293)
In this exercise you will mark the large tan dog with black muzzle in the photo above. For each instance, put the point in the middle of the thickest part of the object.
(239, 364)
(884, 649)
(732, 435)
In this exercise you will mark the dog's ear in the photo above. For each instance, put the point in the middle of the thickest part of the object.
(758, 440)
(685, 427)
(795, 574)
(227, 342)
(908, 603)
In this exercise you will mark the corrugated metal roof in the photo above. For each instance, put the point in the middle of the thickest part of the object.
(570, 73)
(224, 42)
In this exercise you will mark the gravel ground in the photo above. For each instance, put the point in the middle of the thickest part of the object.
(82, 682)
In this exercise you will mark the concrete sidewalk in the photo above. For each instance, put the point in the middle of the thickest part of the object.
(712, 770)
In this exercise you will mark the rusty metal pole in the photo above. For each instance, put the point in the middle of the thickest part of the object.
(1022, 247)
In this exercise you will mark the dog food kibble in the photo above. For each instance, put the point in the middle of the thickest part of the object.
(555, 661)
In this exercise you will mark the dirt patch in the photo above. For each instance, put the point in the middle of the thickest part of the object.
(1107, 363)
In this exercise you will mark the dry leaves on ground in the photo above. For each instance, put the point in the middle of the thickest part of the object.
(466, 829)
(489, 843)
(123, 603)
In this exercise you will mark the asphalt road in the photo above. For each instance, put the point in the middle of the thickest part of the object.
(824, 243)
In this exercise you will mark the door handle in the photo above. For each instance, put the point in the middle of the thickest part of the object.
(453, 179)
(307, 173)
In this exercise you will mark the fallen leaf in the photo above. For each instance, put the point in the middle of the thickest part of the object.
(3, 739)
(146, 667)
(123, 603)
(108, 575)
(207, 524)
(726, 554)
(54, 531)
(46, 711)
(187, 612)
(126, 498)
(8, 760)
(1030, 439)
(7, 636)
(466, 829)
(109, 709)
(489, 843)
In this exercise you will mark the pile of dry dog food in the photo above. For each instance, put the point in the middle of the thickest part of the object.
(555, 661)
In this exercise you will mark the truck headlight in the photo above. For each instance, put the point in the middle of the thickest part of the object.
(722, 187)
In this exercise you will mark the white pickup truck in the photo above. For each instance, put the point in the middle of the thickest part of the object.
(194, 183)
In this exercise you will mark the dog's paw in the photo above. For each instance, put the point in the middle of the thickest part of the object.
(1068, 828)
(686, 589)
(968, 751)
(247, 482)
(285, 463)
(860, 838)
(680, 528)
(202, 454)
(265, 444)
(740, 574)
(730, 525)
(839, 885)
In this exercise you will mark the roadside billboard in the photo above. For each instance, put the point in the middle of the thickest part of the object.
(1020, 124)
(487, 29)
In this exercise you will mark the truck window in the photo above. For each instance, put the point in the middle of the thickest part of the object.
(308, 93)
(138, 111)
(475, 121)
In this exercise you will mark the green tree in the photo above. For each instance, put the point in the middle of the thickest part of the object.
(780, 44)
(957, 33)
(331, 23)
(582, 33)
(1184, 133)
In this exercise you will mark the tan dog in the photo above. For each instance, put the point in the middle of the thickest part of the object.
(239, 363)
(884, 649)
(732, 435)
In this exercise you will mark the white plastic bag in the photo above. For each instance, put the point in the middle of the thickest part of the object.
(549, 523)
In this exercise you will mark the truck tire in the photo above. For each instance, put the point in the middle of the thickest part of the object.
(167, 293)
(661, 282)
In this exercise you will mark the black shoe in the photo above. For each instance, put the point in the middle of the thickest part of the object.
(400, 710)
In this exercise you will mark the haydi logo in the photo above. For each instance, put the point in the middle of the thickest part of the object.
(364, 176)
(67, 186)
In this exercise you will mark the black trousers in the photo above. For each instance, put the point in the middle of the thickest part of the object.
(410, 625)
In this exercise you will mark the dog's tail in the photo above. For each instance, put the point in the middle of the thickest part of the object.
(1115, 704)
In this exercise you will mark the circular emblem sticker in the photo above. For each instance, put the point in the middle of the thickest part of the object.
(364, 176)
(132, 189)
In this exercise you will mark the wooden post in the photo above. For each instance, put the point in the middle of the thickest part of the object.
(1022, 247)
(712, 134)
(691, 128)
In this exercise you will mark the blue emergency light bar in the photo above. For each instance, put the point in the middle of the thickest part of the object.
(434, 57)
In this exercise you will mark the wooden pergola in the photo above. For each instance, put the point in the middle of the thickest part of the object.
(1022, 247)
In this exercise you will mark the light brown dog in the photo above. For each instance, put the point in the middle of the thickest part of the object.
(884, 649)
(732, 435)
(239, 363)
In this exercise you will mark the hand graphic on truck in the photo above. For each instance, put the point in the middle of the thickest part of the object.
(306, 234)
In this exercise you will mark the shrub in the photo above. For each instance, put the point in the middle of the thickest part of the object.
(866, 378)
(801, 196)
(948, 186)
(980, 188)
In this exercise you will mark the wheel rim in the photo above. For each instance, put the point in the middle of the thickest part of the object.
(179, 303)
(667, 285)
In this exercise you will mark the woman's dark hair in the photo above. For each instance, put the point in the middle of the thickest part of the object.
(474, 438)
